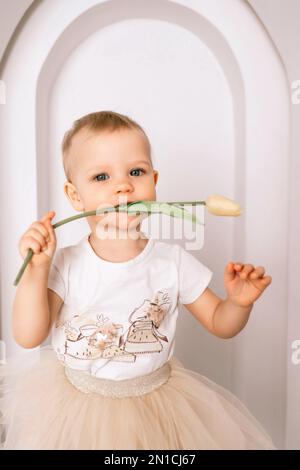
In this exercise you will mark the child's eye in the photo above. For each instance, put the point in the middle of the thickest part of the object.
(99, 177)
(138, 169)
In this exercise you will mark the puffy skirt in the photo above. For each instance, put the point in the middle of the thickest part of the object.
(43, 405)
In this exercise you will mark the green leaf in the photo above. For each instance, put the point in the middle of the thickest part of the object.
(154, 207)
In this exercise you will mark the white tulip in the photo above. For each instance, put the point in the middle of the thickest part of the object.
(220, 205)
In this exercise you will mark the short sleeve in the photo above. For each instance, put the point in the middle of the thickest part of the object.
(193, 277)
(56, 274)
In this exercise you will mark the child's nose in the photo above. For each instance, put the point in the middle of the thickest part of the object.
(124, 186)
(124, 193)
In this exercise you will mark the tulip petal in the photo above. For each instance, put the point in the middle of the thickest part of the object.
(220, 205)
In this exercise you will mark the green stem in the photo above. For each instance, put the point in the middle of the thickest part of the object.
(121, 207)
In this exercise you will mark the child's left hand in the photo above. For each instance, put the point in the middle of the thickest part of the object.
(244, 283)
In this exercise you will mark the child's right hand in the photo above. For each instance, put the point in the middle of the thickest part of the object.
(41, 238)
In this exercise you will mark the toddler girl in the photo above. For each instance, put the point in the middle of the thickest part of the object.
(110, 380)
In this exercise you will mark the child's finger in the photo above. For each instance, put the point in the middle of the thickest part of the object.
(47, 216)
(31, 242)
(258, 272)
(229, 272)
(33, 233)
(38, 226)
(266, 280)
(238, 266)
(52, 237)
(247, 269)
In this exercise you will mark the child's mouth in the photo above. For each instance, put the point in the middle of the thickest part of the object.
(125, 203)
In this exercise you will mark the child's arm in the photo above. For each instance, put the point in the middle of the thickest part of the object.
(226, 318)
(34, 304)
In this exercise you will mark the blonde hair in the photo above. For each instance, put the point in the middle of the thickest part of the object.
(97, 122)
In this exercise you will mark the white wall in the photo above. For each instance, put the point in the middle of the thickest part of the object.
(282, 20)
(11, 14)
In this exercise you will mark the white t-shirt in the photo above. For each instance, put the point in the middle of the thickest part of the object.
(118, 320)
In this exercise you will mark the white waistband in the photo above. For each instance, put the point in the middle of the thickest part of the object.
(141, 385)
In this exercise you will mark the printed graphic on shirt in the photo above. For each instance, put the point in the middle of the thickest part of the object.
(143, 335)
(88, 338)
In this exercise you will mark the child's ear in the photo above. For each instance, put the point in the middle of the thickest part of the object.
(155, 174)
(73, 196)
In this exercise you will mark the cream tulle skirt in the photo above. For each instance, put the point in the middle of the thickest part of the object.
(42, 409)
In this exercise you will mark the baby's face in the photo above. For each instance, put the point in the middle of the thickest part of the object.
(109, 168)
